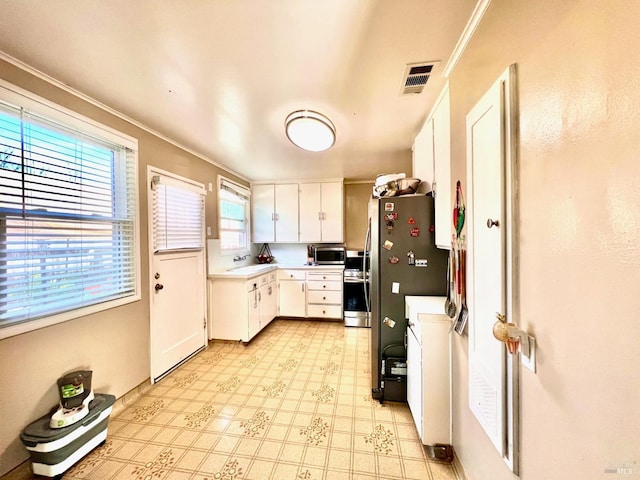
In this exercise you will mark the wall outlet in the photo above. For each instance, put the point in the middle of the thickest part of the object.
(208, 231)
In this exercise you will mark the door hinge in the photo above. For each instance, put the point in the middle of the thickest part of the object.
(204, 323)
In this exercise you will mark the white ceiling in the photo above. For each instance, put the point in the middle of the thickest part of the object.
(220, 76)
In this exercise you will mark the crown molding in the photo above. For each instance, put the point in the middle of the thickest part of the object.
(467, 33)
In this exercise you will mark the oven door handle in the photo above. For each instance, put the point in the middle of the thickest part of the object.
(354, 280)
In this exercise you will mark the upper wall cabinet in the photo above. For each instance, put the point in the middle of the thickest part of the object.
(275, 212)
(432, 162)
(322, 212)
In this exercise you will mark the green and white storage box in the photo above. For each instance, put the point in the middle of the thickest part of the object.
(54, 450)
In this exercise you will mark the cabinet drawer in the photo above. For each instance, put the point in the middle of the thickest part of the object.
(328, 297)
(325, 277)
(285, 274)
(324, 285)
(324, 311)
(254, 283)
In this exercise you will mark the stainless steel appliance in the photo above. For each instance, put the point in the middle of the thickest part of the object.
(355, 290)
(325, 255)
(403, 261)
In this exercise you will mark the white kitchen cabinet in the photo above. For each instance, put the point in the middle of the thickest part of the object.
(423, 162)
(324, 294)
(442, 170)
(292, 293)
(268, 301)
(240, 307)
(432, 163)
(253, 307)
(274, 212)
(321, 212)
(429, 368)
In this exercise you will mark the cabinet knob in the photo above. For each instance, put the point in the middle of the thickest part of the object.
(324, 298)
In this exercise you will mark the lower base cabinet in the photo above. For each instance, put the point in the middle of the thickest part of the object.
(324, 294)
(240, 308)
(292, 293)
(429, 368)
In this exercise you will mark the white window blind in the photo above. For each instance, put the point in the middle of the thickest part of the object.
(67, 216)
(234, 216)
(178, 215)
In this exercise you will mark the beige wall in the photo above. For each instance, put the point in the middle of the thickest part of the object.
(579, 151)
(114, 343)
(356, 199)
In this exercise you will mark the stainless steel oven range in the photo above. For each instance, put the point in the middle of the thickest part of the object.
(355, 290)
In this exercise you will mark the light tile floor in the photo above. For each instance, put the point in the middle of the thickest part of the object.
(293, 404)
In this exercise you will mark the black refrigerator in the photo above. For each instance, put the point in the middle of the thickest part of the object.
(404, 260)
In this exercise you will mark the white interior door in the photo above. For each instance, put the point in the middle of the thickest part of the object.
(489, 271)
(178, 319)
(177, 273)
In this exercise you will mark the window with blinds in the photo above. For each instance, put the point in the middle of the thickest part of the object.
(178, 215)
(67, 216)
(233, 201)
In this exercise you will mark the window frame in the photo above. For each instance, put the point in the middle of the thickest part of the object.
(17, 96)
(247, 213)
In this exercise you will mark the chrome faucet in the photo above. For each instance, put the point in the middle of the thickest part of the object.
(238, 258)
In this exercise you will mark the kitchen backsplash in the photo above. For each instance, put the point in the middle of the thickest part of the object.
(294, 254)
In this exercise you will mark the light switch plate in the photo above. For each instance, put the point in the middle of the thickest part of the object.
(530, 362)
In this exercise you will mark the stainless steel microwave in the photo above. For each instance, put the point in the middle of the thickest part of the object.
(329, 255)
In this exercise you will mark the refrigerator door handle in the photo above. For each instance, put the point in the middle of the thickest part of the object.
(367, 249)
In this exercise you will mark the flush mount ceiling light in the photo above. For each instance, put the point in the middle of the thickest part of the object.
(310, 130)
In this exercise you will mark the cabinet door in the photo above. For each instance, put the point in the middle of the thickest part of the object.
(414, 380)
(310, 212)
(292, 298)
(332, 213)
(286, 212)
(423, 161)
(262, 214)
(442, 169)
(268, 304)
(253, 302)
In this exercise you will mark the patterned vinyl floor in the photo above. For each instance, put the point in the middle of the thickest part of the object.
(293, 404)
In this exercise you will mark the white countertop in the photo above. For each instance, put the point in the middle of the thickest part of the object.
(415, 305)
(250, 271)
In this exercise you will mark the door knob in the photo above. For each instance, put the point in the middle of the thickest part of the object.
(491, 223)
(159, 286)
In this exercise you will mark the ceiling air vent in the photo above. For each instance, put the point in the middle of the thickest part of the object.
(415, 77)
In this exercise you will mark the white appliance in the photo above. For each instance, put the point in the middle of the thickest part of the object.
(429, 368)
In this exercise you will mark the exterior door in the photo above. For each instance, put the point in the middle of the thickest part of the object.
(178, 317)
(177, 274)
(489, 267)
